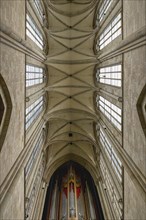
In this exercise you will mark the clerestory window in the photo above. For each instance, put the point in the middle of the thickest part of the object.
(112, 31)
(34, 191)
(33, 31)
(34, 75)
(39, 8)
(33, 111)
(112, 193)
(111, 154)
(103, 9)
(34, 155)
(111, 111)
(110, 75)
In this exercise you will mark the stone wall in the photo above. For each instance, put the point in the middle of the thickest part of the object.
(134, 141)
(18, 144)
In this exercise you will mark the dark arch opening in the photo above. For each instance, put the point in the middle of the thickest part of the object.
(85, 188)
(141, 108)
(2, 107)
(5, 110)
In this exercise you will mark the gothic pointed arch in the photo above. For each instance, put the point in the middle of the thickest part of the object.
(5, 109)
(72, 194)
(141, 108)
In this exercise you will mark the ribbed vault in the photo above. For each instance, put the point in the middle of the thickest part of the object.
(71, 61)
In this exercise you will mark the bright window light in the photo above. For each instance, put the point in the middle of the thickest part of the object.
(103, 9)
(111, 154)
(111, 111)
(112, 31)
(39, 8)
(110, 75)
(110, 189)
(34, 75)
(33, 111)
(33, 31)
(34, 155)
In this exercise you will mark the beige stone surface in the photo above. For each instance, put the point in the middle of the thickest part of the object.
(134, 205)
(71, 111)
(13, 204)
(10, 11)
(134, 16)
(134, 81)
(13, 70)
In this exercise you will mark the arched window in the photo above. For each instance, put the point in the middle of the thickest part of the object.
(33, 31)
(33, 111)
(112, 31)
(110, 153)
(110, 75)
(34, 75)
(111, 111)
(111, 190)
(103, 9)
(39, 8)
(33, 157)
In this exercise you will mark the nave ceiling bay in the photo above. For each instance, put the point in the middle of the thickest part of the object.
(71, 112)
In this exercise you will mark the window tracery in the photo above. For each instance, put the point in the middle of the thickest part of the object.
(39, 8)
(33, 111)
(111, 111)
(34, 155)
(103, 9)
(111, 190)
(111, 154)
(112, 31)
(34, 75)
(33, 32)
(110, 75)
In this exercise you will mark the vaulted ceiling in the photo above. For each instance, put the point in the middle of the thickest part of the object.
(71, 61)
